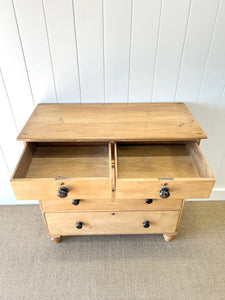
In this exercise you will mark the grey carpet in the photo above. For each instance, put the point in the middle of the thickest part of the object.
(192, 266)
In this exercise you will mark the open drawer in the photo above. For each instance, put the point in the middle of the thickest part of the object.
(50, 171)
(161, 170)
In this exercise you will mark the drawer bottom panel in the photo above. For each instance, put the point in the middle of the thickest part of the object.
(112, 222)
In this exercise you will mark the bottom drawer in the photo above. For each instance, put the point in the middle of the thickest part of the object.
(88, 223)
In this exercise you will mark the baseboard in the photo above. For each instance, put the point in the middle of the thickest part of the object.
(218, 194)
(9, 199)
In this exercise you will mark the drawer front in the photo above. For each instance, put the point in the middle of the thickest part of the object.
(112, 222)
(109, 204)
(43, 169)
(48, 189)
(183, 188)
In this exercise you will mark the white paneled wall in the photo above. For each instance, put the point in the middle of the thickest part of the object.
(171, 37)
(117, 38)
(60, 30)
(112, 51)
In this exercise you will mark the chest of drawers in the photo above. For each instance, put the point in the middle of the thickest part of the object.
(111, 168)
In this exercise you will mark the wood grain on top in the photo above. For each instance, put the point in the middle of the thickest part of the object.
(111, 122)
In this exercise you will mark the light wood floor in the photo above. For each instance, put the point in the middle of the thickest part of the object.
(113, 267)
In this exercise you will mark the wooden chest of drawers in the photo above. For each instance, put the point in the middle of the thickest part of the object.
(111, 168)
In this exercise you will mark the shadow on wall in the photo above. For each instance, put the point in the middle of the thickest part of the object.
(211, 118)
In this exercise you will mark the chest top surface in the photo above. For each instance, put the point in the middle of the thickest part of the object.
(111, 122)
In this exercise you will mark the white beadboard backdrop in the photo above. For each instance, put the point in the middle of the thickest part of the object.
(112, 51)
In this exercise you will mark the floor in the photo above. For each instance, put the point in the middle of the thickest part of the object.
(192, 266)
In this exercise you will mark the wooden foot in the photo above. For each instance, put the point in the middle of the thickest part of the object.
(168, 238)
(56, 239)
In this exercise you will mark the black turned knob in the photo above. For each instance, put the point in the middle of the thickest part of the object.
(148, 201)
(146, 224)
(79, 225)
(164, 193)
(75, 201)
(62, 192)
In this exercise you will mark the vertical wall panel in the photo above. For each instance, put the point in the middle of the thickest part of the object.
(8, 133)
(171, 39)
(216, 146)
(13, 66)
(89, 28)
(146, 16)
(60, 26)
(199, 34)
(214, 79)
(32, 28)
(221, 174)
(117, 20)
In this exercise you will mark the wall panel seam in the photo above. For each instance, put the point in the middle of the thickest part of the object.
(209, 52)
(156, 49)
(23, 54)
(131, 27)
(183, 47)
(7, 95)
(49, 49)
(77, 56)
(5, 161)
(103, 47)
(214, 120)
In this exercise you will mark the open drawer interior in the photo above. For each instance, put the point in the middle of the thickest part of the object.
(160, 161)
(55, 160)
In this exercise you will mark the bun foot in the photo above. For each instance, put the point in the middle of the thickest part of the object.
(56, 239)
(168, 238)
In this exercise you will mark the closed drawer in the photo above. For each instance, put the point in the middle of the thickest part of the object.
(110, 205)
(83, 171)
(112, 223)
(161, 170)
